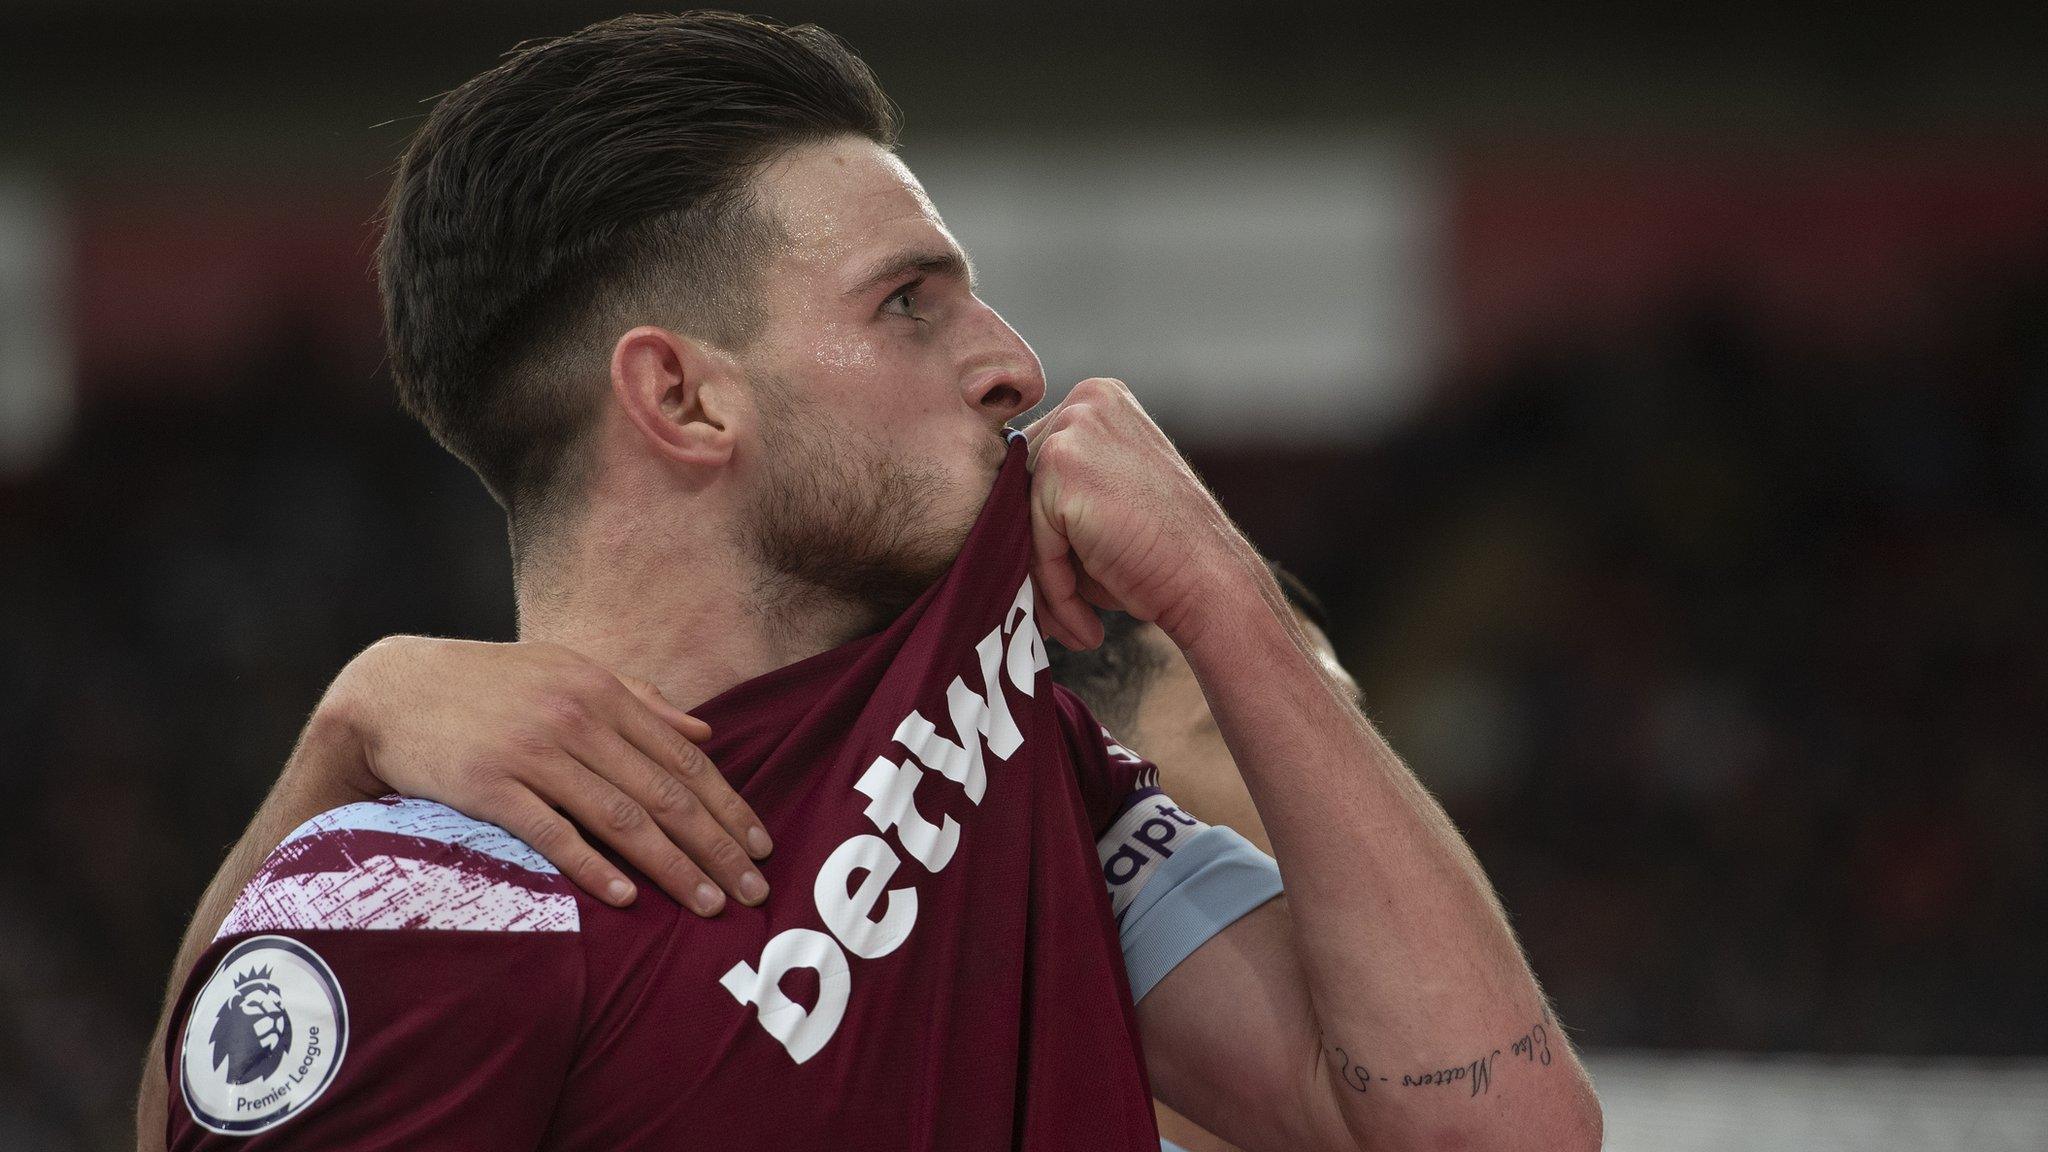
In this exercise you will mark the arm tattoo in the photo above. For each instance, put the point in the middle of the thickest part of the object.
(1531, 1047)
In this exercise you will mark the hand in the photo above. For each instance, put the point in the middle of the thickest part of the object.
(509, 733)
(1120, 521)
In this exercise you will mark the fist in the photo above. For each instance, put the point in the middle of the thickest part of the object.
(1119, 520)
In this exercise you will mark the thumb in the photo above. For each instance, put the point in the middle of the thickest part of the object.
(694, 730)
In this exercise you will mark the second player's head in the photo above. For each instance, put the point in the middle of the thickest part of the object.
(670, 264)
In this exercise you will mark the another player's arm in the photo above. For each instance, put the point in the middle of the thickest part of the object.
(396, 976)
(507, 733)
(1383, 1002)
(297, 796)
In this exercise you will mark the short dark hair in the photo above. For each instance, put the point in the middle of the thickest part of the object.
(1112, 677)
(585, 184)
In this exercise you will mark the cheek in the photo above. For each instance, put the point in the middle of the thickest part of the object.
(846, 354)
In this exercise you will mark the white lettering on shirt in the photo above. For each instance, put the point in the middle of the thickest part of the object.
(801, 1031)
(891, 789)
(1012, 651)
(847, 914)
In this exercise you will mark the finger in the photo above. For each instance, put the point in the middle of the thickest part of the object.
(607, 813)
(682, 809)
(1094, 593)
(1037, 429)
(1034, 431)
(1054, 572)
(549, 833)
(1091, 630)
(694, 730)
(684, 762)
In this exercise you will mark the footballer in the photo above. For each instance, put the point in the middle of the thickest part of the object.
(665, 287)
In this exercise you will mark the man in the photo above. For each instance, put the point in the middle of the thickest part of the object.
(1136, 680)
(663, 285)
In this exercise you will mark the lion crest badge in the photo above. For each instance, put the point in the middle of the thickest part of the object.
(264, 1038)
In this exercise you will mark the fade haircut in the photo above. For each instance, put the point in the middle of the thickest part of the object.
(584, 185)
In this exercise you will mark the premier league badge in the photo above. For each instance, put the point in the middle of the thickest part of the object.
(265, 1036)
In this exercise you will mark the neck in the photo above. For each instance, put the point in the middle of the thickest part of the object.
(689, 613)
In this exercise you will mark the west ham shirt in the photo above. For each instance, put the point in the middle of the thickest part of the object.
(940, 967)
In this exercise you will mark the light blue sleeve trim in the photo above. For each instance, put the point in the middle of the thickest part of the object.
(1203, 888)
(426, 820)
(1166, 1145)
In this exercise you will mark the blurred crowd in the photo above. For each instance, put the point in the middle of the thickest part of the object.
(1727, 650)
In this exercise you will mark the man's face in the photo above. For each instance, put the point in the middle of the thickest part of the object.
(884, 382)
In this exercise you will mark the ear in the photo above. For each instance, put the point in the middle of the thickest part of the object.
(677, 392)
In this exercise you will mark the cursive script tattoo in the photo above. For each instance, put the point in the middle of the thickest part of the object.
(1533, 1045)
(1476, 1074)
(1354, 1074)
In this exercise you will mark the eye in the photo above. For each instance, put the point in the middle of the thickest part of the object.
(903, 301)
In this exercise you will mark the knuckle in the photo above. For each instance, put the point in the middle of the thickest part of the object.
(671, 799)
(621, 814)
(477, 775)
(562, 711)
(489, 793)
(594, 682)
(491, 781)
(724, 856)
(526, 744)
(683, 754)
(737, 812)
(548, 836)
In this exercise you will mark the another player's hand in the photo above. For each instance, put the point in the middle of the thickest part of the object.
(510, 733)
(1119, 520)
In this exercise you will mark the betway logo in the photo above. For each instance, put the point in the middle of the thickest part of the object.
(981, 721)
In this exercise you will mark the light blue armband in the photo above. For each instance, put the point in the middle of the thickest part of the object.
(1192, 881)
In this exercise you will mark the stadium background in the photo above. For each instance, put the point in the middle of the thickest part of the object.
(1657, 394)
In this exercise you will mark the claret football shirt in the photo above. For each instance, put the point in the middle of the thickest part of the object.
(965, 864)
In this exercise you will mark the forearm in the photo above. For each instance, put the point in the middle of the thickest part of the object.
(299, 794)
(1430, 1020)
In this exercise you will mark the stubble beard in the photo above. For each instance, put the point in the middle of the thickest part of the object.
(840, 526)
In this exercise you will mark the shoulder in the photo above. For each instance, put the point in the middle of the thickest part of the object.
(397, 864)
(1109, 775)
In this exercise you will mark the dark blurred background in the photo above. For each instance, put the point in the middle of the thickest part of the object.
(1658, 396)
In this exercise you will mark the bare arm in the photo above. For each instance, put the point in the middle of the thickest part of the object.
(1383, 1002)
(1389, 959)
(298, 795)
(526, 736)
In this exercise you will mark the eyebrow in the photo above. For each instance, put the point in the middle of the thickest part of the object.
(924, 261)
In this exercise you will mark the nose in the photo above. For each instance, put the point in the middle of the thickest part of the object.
(1007, 380)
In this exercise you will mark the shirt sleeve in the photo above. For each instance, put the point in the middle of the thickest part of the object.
(1174, 881)
(396, 976)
